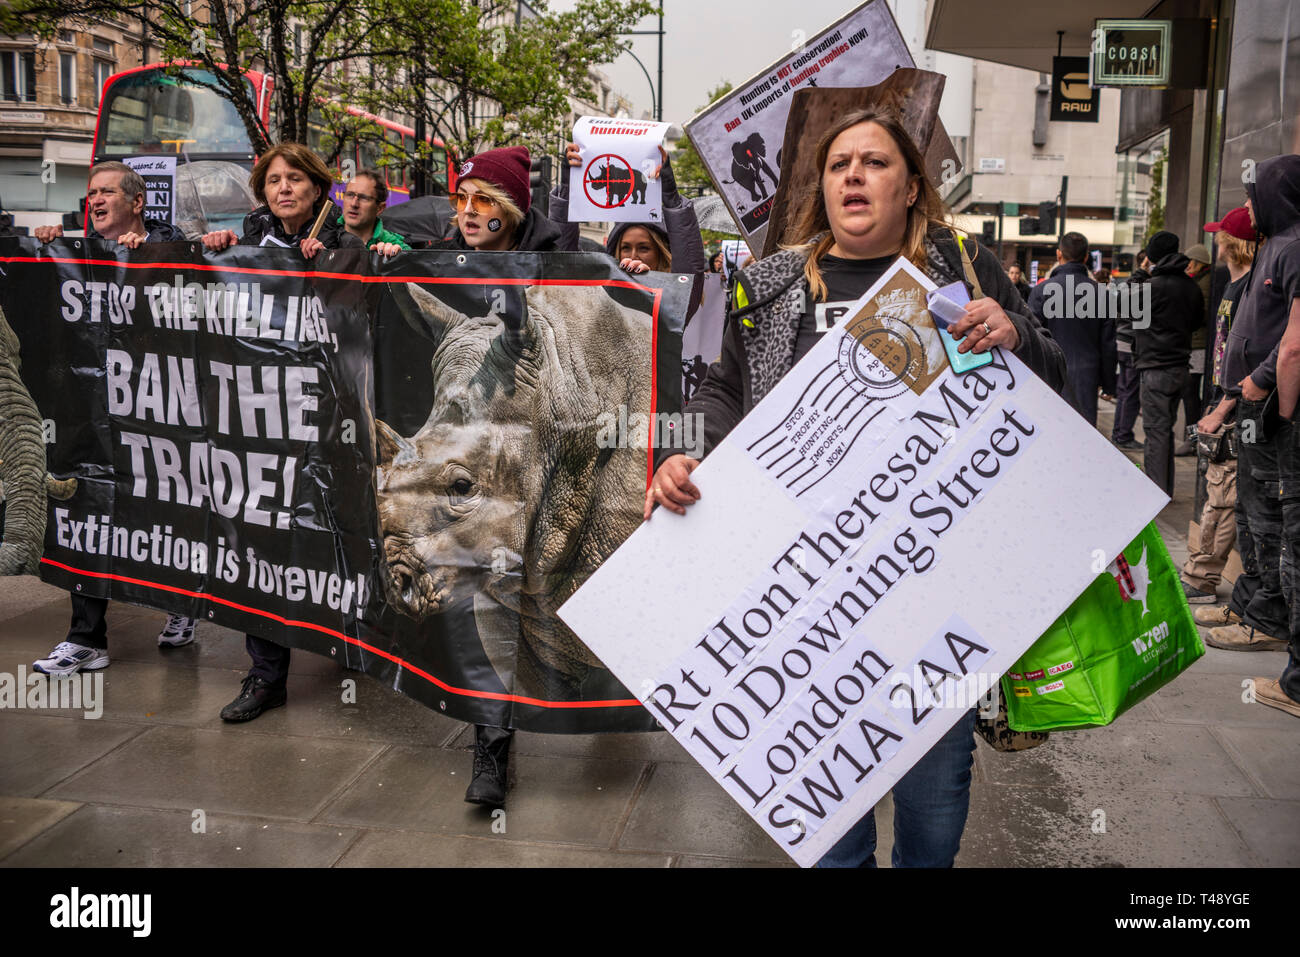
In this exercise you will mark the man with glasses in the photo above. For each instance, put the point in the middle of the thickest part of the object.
(363, 200)
(115, 207)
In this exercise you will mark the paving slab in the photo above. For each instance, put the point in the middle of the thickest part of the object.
(188, 768)
(655, 746)
(133, 636)
(685, 811)
(1244, 664)
(316, 709)
(552, 800)
(159, 694)
(98, 836)
(136, 639)
(25, 593)
(36, 627)
(1215, 699)
(1271, 757)
(697, 861)
(21, 819)
(37, 751)
(1063, 827)
(406, 849)
(1130, 753)
(1270, 828)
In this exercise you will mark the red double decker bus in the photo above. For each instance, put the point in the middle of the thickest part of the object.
(160, 121)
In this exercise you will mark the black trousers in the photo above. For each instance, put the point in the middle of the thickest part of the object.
(1288, 444)
(1127, 399)
(89, 625)
(1257, 595)
(270, 661)
(1161, 391)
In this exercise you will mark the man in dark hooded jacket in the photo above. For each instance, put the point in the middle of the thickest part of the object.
(1270, 313)
(1076, 311)
(1250, 376)
(1162, 345)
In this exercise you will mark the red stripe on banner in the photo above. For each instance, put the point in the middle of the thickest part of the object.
(436, 280)
(465, 692)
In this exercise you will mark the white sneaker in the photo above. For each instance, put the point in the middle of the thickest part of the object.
(68, 658)
(178, 631)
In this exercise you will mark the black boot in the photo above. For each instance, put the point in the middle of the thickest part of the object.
(256, 696)
(491, 755)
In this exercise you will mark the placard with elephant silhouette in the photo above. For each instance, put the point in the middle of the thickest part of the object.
(404, 465)
(739, 137)
(618, 178)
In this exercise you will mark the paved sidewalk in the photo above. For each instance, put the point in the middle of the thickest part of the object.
(1193, 776)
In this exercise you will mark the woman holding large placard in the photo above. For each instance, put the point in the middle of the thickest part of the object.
(873, 203)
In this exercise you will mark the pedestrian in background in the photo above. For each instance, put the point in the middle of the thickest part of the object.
(1161, 351)
(1018, 280)
(1250, 374)
(1276, 292)
(1198, 269)
(1208, 551)
(1075, 309)
(1128, 400)
(364, 198)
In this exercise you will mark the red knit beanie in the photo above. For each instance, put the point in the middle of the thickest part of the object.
(506, 168)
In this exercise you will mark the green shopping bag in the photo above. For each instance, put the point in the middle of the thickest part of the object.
(1129, 634)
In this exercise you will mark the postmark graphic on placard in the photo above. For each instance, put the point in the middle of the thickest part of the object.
(892, 344)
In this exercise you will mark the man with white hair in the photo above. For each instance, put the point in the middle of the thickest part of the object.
(115, 209)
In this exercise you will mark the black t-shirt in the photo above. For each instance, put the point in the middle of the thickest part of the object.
(846, 280)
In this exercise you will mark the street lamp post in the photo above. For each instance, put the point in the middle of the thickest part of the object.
(656, 107)
(656, 93)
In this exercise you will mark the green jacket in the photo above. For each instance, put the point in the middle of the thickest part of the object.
(382, 235)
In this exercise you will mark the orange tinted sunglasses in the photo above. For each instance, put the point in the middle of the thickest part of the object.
(477, 202)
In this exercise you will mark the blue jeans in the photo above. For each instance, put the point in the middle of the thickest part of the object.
(930, 805)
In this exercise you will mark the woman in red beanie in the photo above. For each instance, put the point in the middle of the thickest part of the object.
(494, 213)
(493, 206)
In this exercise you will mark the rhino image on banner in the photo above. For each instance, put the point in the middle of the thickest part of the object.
(405, 465)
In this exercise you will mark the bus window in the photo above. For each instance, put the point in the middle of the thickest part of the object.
(409, 159)
(393, 153)
(369, 153)
(150, 111)
(440, 167)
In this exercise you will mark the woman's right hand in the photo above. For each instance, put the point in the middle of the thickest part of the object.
(573, 154)
(219, 240)
(672, 486)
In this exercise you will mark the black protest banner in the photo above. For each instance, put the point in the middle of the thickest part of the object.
(517, 398)
(218, 416)
(215, 418)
